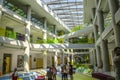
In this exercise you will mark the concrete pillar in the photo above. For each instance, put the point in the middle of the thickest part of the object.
(106, 62)
(55, 29)
(50, 60)
(96, 2)
(68, 56)
(93, 13)
(95, 33)
(62, 58)
(45, 23)
(100, 19)
(45, 59)
(113, 6)
(94, 57)
(95, 26)
(104, 46)
(1, 4)
(98, 52)
(45, 39)
(72, 57)
(56, 59)
(91, 57)
(27, 40)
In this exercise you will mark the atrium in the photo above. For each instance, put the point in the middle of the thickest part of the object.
(37, 34)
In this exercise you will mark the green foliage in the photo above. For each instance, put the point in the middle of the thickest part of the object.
(50, 41)
(2, 32)
(60, 33)
(55, 41)
(61, 40)
(10, 34)
(108, 19)
(77, 28)
(79, 40)
(39, 41)
(15, 9)
(90, 40)
(83, 40)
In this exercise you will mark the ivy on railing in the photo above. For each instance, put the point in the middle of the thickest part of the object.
(15, 9)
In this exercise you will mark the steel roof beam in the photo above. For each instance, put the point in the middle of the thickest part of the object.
(59, 3)
(70, 9)
(68, 5)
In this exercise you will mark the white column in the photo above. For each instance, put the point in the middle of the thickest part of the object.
(55, 29)
(68, 55)
(91, 57)
(50, 60)
(62, 57)
(45, 59)
(104, 47)
(27, 40)
(45, 39)
(56, 59)
(1, 3)
(113, 5)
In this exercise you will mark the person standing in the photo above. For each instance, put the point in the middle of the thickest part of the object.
(71, 72)
(64, 73)
(116, 60)
(4, 66)
(15, 74)
(54, 70)
(50, 74)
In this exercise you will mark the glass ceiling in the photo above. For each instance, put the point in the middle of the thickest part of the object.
(69, 11)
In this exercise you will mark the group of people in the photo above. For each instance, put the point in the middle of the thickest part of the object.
(67, 70)
(51, 73)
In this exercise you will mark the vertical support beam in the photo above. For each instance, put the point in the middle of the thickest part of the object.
(45, 39)
(97, 48)
(114, 5)
(96, 2)
(104, 46)
(45, 59)
(99, 60)
(50, 60)
(55, 29)
(94, 57)
(100, 19)
(27, 40)
(1, 4)
(56, 59)
(68, 56)
(72, 57)
(91, 57)
(45, 23)
(62, 59)
(1, 62)
(106, 62)
(45, 31)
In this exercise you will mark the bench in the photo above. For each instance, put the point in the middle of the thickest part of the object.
(102, 76)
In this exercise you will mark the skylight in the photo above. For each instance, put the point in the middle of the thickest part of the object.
(69, 11)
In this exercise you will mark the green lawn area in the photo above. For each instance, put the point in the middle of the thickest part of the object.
(78, 76)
